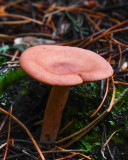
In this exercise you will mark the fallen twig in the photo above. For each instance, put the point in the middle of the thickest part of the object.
(27, 131)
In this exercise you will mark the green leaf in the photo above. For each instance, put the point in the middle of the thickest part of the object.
(4, 48)
(112, 123)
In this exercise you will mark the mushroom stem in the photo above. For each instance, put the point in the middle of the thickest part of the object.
(53, 113)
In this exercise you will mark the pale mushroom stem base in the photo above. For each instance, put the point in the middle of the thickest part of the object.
(53, 113)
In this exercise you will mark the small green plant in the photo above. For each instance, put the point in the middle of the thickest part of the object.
(90, 141)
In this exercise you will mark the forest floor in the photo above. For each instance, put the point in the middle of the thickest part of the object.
(100, 26)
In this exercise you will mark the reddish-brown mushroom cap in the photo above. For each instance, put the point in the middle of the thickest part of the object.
(63, 65)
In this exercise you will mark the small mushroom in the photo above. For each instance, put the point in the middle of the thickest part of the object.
(61, 67)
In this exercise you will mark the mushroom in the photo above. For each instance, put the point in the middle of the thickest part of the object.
(61, 67)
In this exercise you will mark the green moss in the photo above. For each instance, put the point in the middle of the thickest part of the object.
(117, 140)
(90, 141)
(25, 84)
(119, 90)
(83, 102)
(23, 92)
(9, 78)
